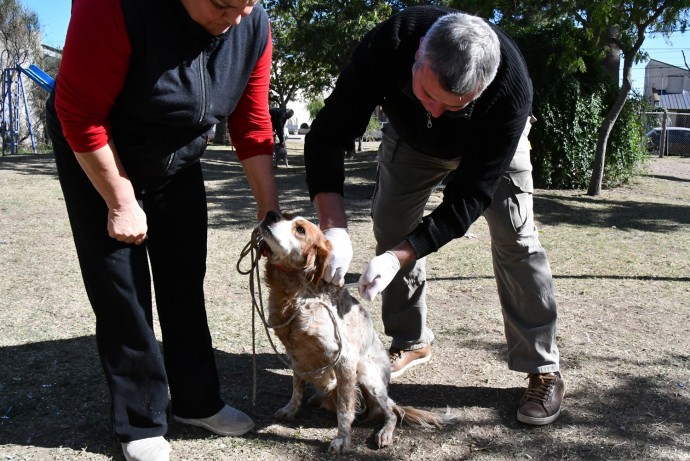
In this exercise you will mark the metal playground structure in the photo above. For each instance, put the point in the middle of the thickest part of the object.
(15, 112)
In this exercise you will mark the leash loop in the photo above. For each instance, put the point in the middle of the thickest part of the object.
(253, 250)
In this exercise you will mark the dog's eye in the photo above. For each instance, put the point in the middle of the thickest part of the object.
(300, 230)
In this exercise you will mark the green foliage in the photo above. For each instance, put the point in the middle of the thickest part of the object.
(373, 131)
(565, 44)
(564, 141)
(313, 40)
(572, 49)
(313, 106)
(19, 29)
(555, 53)
(568, 112)
(572, 95)
(627, 153)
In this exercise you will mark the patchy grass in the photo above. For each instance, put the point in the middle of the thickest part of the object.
(621, 264)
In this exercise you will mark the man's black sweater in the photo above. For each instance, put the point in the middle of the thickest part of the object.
(484, 135)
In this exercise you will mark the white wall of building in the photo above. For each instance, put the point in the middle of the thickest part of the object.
(664, 78)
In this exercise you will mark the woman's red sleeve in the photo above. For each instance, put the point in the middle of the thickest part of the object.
(250, 123)
(92, 72)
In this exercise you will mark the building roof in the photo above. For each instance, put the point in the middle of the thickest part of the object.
(678, 101)
(656, 64)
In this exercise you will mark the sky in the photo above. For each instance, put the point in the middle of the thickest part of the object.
(53, 16)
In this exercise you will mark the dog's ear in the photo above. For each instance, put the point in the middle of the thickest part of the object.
(316, 259)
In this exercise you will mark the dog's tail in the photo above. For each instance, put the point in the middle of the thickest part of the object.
(423, 418)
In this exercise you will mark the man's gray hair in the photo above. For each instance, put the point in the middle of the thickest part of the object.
(463, 51)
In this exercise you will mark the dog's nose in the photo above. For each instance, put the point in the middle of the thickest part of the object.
(272, 217)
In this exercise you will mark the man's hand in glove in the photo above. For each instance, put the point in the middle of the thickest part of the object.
(378, 274)
(340, 257)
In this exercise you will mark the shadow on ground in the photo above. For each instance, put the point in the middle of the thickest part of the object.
(61, 383)
(588, 211)
(30, 164)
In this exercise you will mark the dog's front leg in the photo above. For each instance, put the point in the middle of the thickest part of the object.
(290, 410)
(346, 403)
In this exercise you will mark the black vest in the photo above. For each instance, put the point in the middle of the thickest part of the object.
(181, 81)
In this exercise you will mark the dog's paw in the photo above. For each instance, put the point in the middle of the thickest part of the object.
(384, 437)
(340, 445)
(288, 412)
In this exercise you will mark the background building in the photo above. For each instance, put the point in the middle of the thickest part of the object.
(667, 86)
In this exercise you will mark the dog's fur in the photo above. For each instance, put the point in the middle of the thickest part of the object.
(280, 154)
(308, 314)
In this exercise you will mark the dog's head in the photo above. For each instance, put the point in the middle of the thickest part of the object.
(296, 245)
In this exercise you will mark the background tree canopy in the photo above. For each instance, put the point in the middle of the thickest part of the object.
(313, 40)
(19, 31)
(572, 47)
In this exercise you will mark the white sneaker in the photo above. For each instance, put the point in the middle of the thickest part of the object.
(151, 449)
(228, 421)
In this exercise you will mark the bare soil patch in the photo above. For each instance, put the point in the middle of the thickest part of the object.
(621, 264)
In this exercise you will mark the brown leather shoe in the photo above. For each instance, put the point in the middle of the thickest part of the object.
(401, 359)
(541, 403)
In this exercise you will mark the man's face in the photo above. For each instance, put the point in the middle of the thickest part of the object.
(436, 100)
(217, 16)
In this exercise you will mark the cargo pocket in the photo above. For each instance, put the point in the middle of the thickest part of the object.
(521, 200)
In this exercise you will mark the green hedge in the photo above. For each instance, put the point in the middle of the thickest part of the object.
(565, 138)
(572, 94)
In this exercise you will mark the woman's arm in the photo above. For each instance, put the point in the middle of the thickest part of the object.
(126, 219)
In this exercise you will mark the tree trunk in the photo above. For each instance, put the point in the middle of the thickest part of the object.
(612, 61)
(605, 130)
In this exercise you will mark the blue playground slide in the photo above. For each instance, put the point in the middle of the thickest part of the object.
(42, 79)
(14, 104)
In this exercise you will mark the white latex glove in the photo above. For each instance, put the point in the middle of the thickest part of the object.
(340, 257)
(378, 274)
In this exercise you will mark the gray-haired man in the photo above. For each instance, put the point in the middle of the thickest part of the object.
(458, 97)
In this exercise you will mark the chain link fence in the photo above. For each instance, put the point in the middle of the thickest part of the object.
(667, 133)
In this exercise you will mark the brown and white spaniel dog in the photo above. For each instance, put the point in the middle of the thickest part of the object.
(328, 336)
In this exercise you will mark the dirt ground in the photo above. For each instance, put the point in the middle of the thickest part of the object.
(621, 264)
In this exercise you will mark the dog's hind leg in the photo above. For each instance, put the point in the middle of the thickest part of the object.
(373, 384)
(290, 410)
(346, 373)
